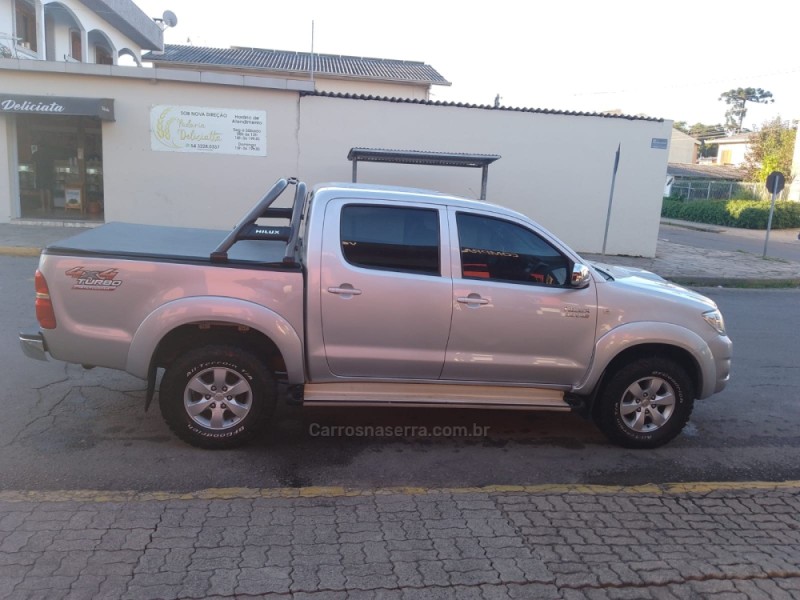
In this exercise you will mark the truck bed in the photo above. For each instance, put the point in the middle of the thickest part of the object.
(161, 243)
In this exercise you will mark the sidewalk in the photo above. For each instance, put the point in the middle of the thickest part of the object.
(543, 542)
(682, 264)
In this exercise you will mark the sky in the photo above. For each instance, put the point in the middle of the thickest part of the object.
(667, 59)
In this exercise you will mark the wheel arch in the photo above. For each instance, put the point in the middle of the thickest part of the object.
(680, 356)
(628, 342)
(175, 326)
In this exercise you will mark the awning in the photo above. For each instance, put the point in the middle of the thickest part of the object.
(102, 108)
(420, 157)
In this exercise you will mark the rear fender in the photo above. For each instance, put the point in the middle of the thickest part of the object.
(217, 310)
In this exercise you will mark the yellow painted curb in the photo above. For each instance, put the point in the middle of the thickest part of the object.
(19, 251)
(669, 489)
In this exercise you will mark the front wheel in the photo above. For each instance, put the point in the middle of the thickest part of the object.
(217, 397)
(645, 404)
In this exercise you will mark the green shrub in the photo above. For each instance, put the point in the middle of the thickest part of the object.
(748, 214)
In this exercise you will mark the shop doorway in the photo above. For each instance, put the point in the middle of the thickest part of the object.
(60, 166)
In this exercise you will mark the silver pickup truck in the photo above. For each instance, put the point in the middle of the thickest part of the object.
(376, 296)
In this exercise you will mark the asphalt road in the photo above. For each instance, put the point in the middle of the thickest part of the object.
(66, 428)
(783, 243)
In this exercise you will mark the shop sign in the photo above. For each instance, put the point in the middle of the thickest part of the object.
(209, 130)
(102, 108)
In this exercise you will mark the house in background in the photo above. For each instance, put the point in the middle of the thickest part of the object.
(733, 149)
(683, 148)
(329, 73)
(704, 182)
(76, 31)
(51, 141)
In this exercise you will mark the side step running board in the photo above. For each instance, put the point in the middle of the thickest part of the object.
(425, 394)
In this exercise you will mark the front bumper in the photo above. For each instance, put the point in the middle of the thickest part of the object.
(33, 344)
(722, 349)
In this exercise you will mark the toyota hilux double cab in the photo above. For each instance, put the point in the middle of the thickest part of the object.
(365, 295)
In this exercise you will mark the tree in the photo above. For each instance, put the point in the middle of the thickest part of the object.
(737, 100)
(771, 149)
(681, 126)
(704, 133)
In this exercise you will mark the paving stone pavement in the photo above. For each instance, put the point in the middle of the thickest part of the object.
(720, 541)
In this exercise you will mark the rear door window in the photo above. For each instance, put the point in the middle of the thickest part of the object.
(391, 238)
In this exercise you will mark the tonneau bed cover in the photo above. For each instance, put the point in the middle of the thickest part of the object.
(157, 242)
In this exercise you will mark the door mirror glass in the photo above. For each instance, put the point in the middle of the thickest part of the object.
(580, 276)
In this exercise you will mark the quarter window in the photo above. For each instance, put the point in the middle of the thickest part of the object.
(391, 238)
(499, 250)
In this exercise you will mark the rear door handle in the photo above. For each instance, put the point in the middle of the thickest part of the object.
(473, 300)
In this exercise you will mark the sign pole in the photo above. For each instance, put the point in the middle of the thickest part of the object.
(775, 183)
(611, 197)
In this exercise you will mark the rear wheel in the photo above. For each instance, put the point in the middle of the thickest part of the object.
(645, 404)
(217, 397)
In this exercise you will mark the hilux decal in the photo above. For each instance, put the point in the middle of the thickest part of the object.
(104, 281)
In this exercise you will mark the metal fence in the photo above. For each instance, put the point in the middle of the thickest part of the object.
(704, 189)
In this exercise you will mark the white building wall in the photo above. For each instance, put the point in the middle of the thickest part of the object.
(537, 174)
(682, 148)
(170, 188)
(6, 24)
(310, 137)
(59, 44)
(90, 20)
(794, 189)
(738, 153)
(8, 173)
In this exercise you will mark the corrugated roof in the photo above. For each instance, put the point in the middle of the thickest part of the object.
(726, 172)
(545, 111)
(283, 61)
(739, 138)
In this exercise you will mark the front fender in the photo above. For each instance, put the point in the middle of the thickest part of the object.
(220, 310)
(629, 335)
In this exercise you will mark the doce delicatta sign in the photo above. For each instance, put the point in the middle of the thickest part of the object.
(211, 130)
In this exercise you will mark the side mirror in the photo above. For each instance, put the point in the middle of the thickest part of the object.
(580, 276)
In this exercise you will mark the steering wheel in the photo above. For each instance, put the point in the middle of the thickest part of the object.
(542, 272)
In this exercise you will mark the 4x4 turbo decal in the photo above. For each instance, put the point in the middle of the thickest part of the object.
(105, 281)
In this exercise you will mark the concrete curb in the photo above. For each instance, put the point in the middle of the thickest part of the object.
(19, 251)
(665, 489)
(694, 226)
(734, 282)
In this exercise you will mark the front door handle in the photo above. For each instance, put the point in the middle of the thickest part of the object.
(473, 300)
(345, 291)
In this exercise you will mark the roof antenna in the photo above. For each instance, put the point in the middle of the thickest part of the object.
(167, 20)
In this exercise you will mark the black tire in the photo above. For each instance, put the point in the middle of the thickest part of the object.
(624, 412)
(196, 405)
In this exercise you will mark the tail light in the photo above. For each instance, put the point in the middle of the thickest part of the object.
(44, 306)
